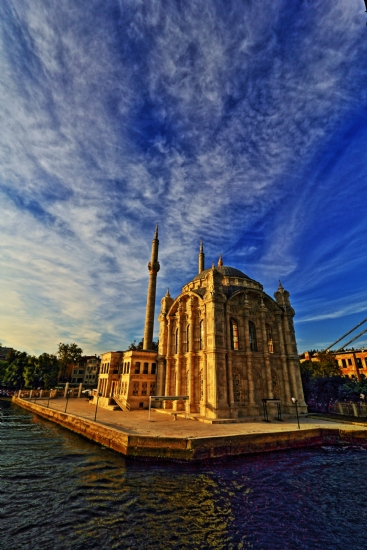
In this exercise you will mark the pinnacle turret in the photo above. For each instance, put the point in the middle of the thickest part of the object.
(201, 263)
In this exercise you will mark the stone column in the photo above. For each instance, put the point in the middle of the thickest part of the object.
(178, 357)
(248, 352)
(204, 399)
(266, 355)
(229, 361)
(283, 360)
(191, 357)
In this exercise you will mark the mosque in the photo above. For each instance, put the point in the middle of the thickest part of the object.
(223, 343)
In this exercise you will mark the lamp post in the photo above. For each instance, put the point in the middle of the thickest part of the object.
(95, 414)
(362, 398)
(49, 395)
(295, 403)
(67, 399)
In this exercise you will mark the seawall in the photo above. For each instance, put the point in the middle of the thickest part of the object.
(196, 448)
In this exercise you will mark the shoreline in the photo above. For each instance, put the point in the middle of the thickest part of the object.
(199, 447)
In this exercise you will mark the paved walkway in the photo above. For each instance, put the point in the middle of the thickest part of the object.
(163, 425)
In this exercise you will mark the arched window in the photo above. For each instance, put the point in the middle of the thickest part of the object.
(176, 341)
(202, 334)
(269, 339)
(137, 367)
(253, 339)
(234, 334)
(188, 338)
(154, 366)
(145, 368)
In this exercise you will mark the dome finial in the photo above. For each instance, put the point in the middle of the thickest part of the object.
(220, 261)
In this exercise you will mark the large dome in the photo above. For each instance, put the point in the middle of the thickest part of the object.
(225, 271)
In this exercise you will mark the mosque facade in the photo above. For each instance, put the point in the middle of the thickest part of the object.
(224, 344)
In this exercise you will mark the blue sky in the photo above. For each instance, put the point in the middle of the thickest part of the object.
(241, 122)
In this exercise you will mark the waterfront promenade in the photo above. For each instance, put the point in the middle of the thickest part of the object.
(131, 432)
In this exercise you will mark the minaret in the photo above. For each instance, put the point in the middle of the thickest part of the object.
(153, 267)
(201, 257)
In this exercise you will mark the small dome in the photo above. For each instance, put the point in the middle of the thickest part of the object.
(225, 271)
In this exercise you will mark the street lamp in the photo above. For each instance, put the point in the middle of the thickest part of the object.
(95, 414)
(362, 398)
(67, 399)
(295, 403)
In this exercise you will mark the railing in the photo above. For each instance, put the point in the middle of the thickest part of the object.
(121, 401)
(345, 408)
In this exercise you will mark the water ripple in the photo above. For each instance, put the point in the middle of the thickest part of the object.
(59, 491)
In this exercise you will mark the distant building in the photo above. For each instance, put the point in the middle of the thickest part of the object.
(224, 343)
(352, 363)
(85, 370)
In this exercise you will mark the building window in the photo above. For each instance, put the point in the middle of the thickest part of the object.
(176, 341)
(253, 339)
(128, 367)
(344, 364)
(152, 388)
(145, 370)
(202, 334)
(234, 334)
(269, 338)
(137, 367)
(359, 363)
(365, 361)
(136, 388)
(144, 388)
(350, 361)
(154, 367)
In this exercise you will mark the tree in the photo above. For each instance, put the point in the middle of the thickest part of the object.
(17, 361)
(3, 366)
(67, 354)
(328, 365)
(48, 369)
(136, 347)
(31, 373)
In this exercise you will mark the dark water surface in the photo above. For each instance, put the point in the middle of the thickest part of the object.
(60, 491)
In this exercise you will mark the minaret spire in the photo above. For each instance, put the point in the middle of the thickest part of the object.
(153, 267)
(201, 265)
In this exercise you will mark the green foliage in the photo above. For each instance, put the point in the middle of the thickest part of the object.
(67, 354)
(325, 366)
(30, 372)
(3, 366)
(136, 347)
(27, 370)
(49, 369)
(17, 361)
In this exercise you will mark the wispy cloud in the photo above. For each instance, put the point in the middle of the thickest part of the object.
(235, 121)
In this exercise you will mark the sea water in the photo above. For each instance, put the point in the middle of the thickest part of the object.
(60, 491)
